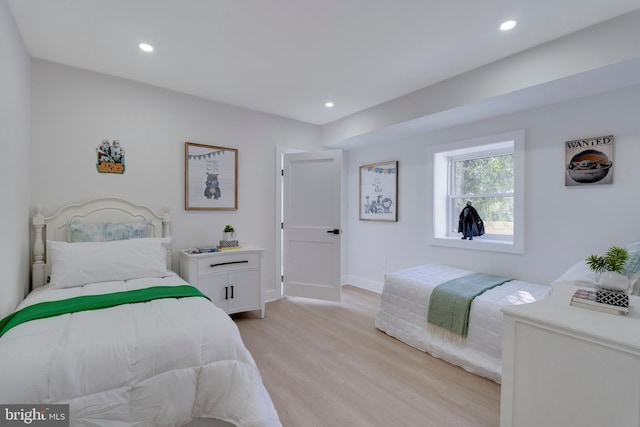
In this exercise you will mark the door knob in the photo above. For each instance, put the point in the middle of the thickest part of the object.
(334, 231)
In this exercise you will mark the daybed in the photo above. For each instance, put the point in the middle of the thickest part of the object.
(136, 345)
(403, 310)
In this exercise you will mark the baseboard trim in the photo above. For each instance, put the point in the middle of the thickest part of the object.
(369, 285)
(356, 281)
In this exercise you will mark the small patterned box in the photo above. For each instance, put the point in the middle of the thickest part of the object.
(228, 243)
(617, 298)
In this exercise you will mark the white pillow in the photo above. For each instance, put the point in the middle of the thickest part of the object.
(580, 275)
(76, 264)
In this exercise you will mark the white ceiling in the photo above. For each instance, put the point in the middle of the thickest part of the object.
(288, 57)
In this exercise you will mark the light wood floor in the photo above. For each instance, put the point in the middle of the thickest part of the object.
(325, 364)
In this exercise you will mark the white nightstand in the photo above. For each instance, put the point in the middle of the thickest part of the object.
(232, 278)
(569, 366)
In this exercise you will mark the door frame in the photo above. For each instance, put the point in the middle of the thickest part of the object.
(279, 152)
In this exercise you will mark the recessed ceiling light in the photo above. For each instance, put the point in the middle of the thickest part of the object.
(328, 104)
(146, 47)
(508, 25)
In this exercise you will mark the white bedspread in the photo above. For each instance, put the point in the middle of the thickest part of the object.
(159, 363)
(404, 302)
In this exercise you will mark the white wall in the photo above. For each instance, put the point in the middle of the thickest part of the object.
(73, 110)
(563, 224)
(15, 169)
(590, 61)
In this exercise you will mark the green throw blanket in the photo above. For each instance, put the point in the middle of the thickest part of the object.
(95, 302)
(450, 302)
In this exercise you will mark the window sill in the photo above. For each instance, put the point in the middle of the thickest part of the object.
(478, 244)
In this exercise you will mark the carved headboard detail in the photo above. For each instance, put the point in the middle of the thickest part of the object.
(104, 209)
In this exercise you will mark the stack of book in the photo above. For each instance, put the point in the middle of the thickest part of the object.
(202, 250)
(612, 302)
(228, 248)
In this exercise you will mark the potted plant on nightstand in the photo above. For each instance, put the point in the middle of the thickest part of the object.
(229, 232)
(609, 267)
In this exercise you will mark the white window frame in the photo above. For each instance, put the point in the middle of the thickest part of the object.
(484, 151)
(440, 157)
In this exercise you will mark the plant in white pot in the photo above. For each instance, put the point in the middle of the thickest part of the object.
(609, 267)
(228, 233)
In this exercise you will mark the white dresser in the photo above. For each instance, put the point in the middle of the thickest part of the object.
(570, 366)
(232, 279)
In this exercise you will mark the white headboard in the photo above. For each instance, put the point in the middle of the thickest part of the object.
(104, 209)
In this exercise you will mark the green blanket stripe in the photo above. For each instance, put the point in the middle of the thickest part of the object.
(450, 302)
(95, 302)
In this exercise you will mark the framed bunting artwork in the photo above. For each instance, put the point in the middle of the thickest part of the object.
(211, 177)
(379, 192)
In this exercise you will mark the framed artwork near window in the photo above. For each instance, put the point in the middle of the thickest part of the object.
(211, 177)
(589, 161)
(379, 192)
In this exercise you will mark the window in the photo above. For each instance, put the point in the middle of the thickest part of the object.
(489, 172)
(485, 178)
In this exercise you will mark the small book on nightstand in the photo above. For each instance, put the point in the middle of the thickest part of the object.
(202, 250)
(604, 301)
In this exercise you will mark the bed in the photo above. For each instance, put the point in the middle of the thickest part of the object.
(404, 305)
(123, 339)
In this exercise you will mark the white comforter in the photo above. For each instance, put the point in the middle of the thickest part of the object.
(404, 303)
(159, 363)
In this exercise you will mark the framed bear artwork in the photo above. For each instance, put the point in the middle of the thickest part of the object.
(211, 177)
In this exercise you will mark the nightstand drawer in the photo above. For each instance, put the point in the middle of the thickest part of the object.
(227, 262)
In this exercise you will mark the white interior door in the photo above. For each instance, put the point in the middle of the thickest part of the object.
(311, 224)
